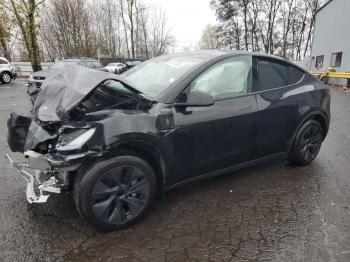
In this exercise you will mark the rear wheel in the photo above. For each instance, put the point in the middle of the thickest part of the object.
(5, 77)
(115, 193)
(307, 143)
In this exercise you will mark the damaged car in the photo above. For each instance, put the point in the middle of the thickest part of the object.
(118, 142)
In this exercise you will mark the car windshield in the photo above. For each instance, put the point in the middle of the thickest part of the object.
(156, 75)
(61, 64)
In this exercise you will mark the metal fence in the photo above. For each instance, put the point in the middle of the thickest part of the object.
(25, 69)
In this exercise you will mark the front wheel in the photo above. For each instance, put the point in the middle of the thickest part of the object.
(307, 143)
(115, 193)
(5, 77)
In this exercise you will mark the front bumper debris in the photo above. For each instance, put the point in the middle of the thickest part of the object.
(36, 187)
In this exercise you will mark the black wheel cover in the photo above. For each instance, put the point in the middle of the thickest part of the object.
(120, 194)
(310, 143)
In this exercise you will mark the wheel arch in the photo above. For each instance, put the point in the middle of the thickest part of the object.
(150, 152)
(319, 116)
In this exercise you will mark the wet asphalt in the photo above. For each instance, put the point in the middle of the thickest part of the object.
(270, 212)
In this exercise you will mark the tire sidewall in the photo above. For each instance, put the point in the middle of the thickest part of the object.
(92, 174)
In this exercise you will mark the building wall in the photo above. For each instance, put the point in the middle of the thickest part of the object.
(332, 34)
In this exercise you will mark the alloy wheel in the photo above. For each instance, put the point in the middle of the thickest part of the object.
(120, 194)
(310, 143)
(6, 78)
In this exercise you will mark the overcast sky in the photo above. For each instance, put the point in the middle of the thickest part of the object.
(186, 19)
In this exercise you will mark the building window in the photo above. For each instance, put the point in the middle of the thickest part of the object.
(312, 62)
(319, 61)
(336, 59)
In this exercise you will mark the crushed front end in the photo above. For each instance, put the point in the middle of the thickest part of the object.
(76, 117)
(51, 155)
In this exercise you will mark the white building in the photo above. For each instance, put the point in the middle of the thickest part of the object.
(331, 39)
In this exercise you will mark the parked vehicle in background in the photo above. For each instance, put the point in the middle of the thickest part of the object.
(117, 142)
(37, 78)
(7, 72)
(116, 68)
(130, 65)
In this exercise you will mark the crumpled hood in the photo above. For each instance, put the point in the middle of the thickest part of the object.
(65, 89)
(43, 73)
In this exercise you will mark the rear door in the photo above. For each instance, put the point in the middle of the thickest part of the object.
(214, 137)
(277, 115)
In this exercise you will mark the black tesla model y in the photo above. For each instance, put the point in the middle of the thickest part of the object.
(117, 142)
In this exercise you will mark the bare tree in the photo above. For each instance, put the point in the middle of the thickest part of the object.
(5, 30)
(282, 27)
(144, 30)
(113, 28)
(26, 13)
(68, 28)
(130, 14)
(210, 38)
(107, 26)
(161, 39)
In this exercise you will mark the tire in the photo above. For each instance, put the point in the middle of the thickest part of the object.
(307, 143)
(115, 193)
(5, 77)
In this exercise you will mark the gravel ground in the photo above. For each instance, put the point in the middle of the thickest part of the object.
(271, 212)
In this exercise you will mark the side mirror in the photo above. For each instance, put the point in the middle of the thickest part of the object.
(195, 99)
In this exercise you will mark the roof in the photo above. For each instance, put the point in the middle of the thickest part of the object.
(322, 7)
(207, 55)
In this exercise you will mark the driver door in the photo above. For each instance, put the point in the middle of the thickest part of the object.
(214, 137)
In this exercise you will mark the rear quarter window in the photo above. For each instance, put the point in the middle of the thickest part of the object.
(272, 74)
(3, 62)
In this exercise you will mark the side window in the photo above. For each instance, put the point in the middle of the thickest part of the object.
(82, 64)
(90, 65)
(226, 79)
(272, 74)
(3, 62)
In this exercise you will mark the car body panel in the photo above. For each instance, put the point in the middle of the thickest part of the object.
(207, 138)
(37, 78)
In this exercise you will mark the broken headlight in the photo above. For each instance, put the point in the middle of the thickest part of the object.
(77, 142)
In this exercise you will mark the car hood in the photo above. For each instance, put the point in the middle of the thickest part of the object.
(63, 90)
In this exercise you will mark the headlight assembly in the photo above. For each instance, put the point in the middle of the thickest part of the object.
(78, 142)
